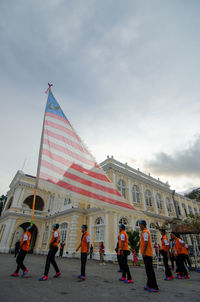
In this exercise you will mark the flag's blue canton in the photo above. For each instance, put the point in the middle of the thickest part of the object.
(53, 106)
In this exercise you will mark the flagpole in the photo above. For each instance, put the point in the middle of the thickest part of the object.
(39, 161)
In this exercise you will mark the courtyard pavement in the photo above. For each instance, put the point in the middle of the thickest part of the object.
(101, 284)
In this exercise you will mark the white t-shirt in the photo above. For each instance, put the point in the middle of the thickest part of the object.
(146, 236)
(25, 237)
(55, 234)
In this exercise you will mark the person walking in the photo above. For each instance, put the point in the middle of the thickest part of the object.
(117, 250)
(62, 245)
(24, 247)
(53, 248)
(91, 251)
(85, 248)
(165, 253)
(17, 247)
(124, 252)
(147, 254)
(101, 252)
(180, 256)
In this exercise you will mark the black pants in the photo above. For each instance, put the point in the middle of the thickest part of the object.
(187, 261)
(124, 265)
(119, 261)
(16, 251)
(181, 265)
(168, 273)
(51, 259)
(61, 253)
(151, 278)
(83, 263)
(19, 260)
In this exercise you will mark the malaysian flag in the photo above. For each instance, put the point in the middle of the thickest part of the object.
(66, 162)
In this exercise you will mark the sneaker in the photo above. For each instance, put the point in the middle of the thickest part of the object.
(24, 273)
(57, 275)
(43, 278)
(146, 288)
(81, 277)
(172, 277)
(153, 290)
(129, 281)
(168, 279)
(186, 277)
(122, 279)
(14, 275)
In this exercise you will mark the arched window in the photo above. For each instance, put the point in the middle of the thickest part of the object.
(136, 194)
(63, 231)
(168, 204)
(39, 203)
(184, 209)
(124, 221)
(159, 201)
(122, 187)
(99, 229)
(148, 198)
(190, 209)
(153, 232)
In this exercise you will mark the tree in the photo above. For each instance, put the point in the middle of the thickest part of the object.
(194, 194)
(134, 240)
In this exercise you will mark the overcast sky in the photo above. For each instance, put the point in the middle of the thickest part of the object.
(126, 74)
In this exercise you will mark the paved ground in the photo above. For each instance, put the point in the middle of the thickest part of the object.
(101, 285)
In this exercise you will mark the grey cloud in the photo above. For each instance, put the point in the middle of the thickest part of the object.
(181, 163)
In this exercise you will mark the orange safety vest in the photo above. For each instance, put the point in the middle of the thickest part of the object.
(164, 247)
(125, 246)
(26, 245)
(149, 250)
(53, 238)
(177, 248)
(184, 249)
(84, 244)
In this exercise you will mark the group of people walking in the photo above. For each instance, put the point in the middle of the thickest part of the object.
(175, 247)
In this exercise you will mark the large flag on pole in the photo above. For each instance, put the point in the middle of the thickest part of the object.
(66, 162)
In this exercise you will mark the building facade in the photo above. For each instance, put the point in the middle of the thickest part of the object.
(152, 199)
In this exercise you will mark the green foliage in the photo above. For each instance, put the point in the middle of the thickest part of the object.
(134, 240)
(194, 194)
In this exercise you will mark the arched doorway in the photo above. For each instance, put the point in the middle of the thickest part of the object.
(20, 231)
(39, 203)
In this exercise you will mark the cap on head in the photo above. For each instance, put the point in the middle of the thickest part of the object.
(163, 231)
(56, 225)
(30, 227)
(143, 222)
(122, 226)
(84, 226)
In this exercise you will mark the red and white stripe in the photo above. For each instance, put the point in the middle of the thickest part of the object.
(66, 162)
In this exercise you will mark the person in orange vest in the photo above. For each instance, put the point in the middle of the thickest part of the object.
(124, 252)
(165, 253)
(24, 247)
(85, 250)
(53, 248)
(147, 254)
(178, 251)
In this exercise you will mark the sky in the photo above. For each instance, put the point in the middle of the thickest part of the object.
(126, 74)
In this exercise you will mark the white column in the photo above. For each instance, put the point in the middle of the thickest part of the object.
(41, 234)
(16, 197)
(106, 233)
(165, 206)
(143, 198)
(155, 203)
(129, 190)
(133, 223)
(8, 232)
(115, 228)
(19, 205)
